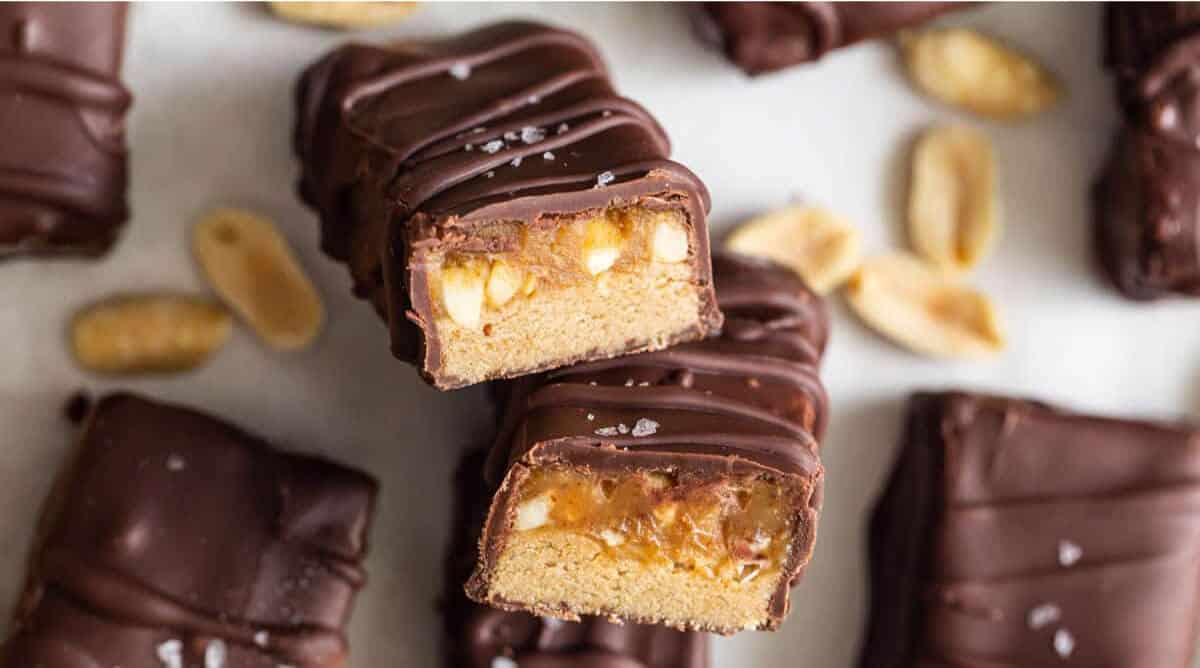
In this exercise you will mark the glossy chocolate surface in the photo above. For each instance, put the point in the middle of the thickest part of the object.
(1014, 534)
(476, 634)
(174, 534)
(411, 148)
(748, 400)
(762, 37)
(62, 125)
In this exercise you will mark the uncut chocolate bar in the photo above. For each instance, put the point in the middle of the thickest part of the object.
(477, 636)
(63, 165)
(762, 37)
(502, 207)
(175, 540)
(678, 487)
(1014, 534)
(1147, 200)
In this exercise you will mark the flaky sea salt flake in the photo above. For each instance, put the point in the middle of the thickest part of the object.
(645, 427)
(622, 428)
(532, 135)
(547, 156)
(492, 147)
(516, 162)
(460, 71)
(604, 178)
(170, 652)
(262, 638)
(175, 463)
(1068, 553)
(606, 431)
(214, 654)
(1044, 615)
(562, 128)
(1064, 643)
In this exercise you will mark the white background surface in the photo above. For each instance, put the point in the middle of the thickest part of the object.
(211, 126)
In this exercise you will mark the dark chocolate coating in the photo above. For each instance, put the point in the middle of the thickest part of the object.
(395, 146)
(1147, 226)
(746, 401)
(762, 37)
(62, 125)
(476, 634)
(1014, 534)
(173, 526)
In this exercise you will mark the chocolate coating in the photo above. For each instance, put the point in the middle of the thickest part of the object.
(1147, 229)
(62, 125)
(475, 634)
(171, 528)
(1014, 534)
(747, 401)
(395, 150)
(762, 37)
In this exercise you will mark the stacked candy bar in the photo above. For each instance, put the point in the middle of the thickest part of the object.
(502, 207)
(1147, 200)
(762, 37)
(176, 540)
(678, 487)
(62, 168)
(1014, 534)
(477, 636)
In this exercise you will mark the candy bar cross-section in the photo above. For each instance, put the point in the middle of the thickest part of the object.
(1147, 200)
(1014, 534)
(477, 636)
(762, 37)
(678, 487)
(174, 540)
(502, 207)
(62, 128)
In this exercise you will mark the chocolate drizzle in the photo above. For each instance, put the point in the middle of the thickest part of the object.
(475, 635)
(762, 37)
(63, 168)
(749, 400)
(410, 148)
(138, 553)
(1147, 225)
(1012, 534)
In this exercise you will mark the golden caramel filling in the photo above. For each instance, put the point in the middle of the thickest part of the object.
(583, 252)
(734, 529)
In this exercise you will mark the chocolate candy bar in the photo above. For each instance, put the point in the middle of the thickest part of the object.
(477, 636)
(678, 487)
(174, 540)
(1014, 534)
(762, 37)
(62, 170)
(504, 210)
(1147, 228)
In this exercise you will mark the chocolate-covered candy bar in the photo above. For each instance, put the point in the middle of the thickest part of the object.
(678, 487)
(762, 37)
(502, 207)
(1147, 226)
(1014, 534)
(477, 636)
(63, 166)
(173, 539)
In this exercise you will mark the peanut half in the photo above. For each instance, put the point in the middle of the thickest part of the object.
(343, 15)
(966, 69)
(952, 218)
(821, 247)
(924, 309)
(140, 334)
(252, 268)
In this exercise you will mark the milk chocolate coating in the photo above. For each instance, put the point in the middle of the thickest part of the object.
(62, 128)
(1147, 225)
(746, 401)
(762, 37)
(395, 146)
(171, 527)
(1014, 534)
(475, 634)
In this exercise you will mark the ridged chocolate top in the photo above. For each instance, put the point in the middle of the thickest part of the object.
(175, 534)
(1013, 534)
(762, 37)
(477, 634)
(62, 110)
(1148, 225)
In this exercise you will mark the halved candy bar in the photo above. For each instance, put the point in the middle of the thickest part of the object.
(174, 539)
(1014, 534)
(502, 207)
(679, 487)
(63, 166)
